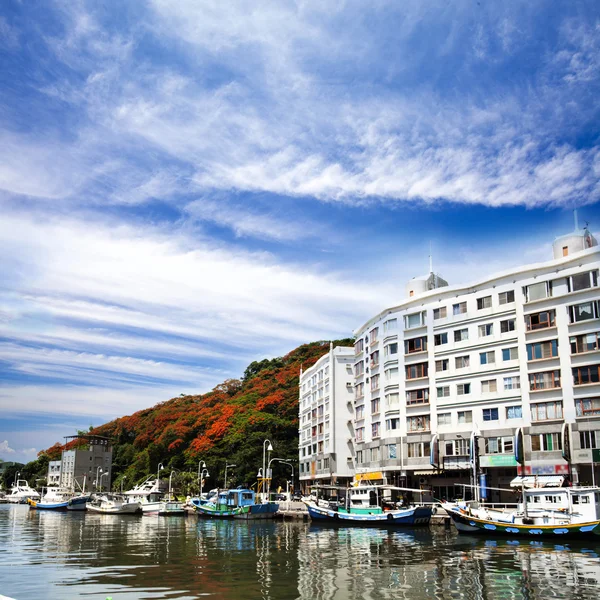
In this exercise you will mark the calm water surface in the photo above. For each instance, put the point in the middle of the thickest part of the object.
(63, 556)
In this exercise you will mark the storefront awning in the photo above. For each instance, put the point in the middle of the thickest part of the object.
(538, 481)
(373, 476)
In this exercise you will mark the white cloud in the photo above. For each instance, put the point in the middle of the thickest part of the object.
(5, 448)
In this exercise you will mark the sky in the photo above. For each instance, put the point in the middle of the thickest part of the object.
(187, 186)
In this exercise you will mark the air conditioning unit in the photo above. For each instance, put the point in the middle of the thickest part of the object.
(423, 480)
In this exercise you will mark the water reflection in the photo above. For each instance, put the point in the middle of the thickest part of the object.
(67, 556)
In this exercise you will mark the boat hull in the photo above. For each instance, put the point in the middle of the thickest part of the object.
(78, 503)
(468, 524)
(125, 509)
(33, 504)
(247, 513)
(420, 515)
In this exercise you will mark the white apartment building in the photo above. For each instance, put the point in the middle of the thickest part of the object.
(326, 418)
(53, 476)
(517, 350)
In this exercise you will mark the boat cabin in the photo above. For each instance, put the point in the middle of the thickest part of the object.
(237, 497)
(583, 502)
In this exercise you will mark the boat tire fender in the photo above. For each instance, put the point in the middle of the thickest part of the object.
(390, 517)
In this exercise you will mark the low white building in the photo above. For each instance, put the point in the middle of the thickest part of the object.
(516, 351)
(53, 477)
(326, 419)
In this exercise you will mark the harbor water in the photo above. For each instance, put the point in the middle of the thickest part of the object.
(60, 556)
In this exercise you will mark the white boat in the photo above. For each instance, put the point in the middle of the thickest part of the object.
(147, 494)
(171, 508)
(111, 504)
(544, 512)
(21, 492)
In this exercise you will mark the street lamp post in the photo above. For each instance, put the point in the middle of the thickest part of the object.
(122, 480)
(170, 479)
(227, 467)
(201, 465)
(284, 461)
(158, 470)
(98, 470)
(264, 463)
(101, 476)
(204, 473)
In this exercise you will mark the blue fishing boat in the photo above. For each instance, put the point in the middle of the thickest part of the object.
(369, 505)
(239, 503)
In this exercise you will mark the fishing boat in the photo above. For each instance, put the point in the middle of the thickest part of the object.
(21, 492)
(544, 512)
(147, 494)
(239, 503)
(112, 504)
(369, 505)
(53, 499)
(171, 508)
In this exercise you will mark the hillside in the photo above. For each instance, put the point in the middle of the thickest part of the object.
(224, 426)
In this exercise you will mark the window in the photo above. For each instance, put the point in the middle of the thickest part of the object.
(585, 375)
(375, 430)
(542, 350)
(461, 335)
(359, 346)
(499, 445)
(391, 452)
(359, 457)
(391, 349)
(587, 407)
(414, 320)
(373, 335)
(390, 325)
(490, 414)
(588, 342)
(359, 390)
(582, 281)
(417, 396)
(547, 411)
(360, 412)
(465, 416)
(463, 388)
(485, 330)
(415, 345)
(374, 358)
(514, 412)
(392, 424)
(359, 368)
(360, 434)
(459, 309)
(584, 311)
(506, 297)
(546, 442)
(375, 406)
(565, 250)
(439, 313)
(441, 365)
(512, 383)
(418, 449)
(416, 371)
(440, 338)
(421, 423)
(485, 302)
(374, 454)
(538, 291)
(374, 382)
(487, 358)
(461, 362)
(326, 463)
(456, 447)
(541, 320)
(444, 419)
(506, 326)
(544, 381)
(510, 353)
(392, 399)
(391, 374)
(589, 440)
(488, 386)
(443, 391)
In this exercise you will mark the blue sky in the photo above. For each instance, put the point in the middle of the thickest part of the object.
(189, 186)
